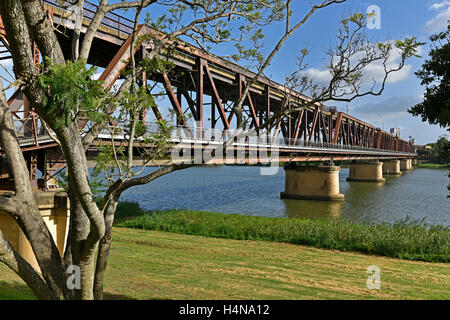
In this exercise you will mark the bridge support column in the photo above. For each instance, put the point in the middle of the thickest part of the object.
(405, 164)
(54, 208)
(392, 167)
(312, 183)
(366, 172)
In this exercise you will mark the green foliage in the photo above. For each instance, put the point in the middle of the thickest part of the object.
(357, 18)
(435, 75)
(406, 240)
(409, 47)
(70, 90)
(113, 160)
(156, 65)
(97, 186)
(431, 165)
(61, 180)
(106, 161)
(440, 150)
(134, 101)
(126, 209)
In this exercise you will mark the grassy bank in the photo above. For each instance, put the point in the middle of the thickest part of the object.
(159, 265)
(429, 165)
(400, 240)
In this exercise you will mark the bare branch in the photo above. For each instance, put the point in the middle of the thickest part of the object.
(152, 176)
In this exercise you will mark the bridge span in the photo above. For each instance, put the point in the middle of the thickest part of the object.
(207, 87)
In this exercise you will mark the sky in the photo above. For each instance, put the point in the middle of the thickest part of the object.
(398, 19)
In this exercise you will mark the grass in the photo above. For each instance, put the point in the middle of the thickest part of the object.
(403, 240)
(128, 209)
(159, 265)
(430, 165)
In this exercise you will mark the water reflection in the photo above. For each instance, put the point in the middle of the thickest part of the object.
(313, 209)
(359, 194)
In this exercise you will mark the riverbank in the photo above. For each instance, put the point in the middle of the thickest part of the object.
(160, 265)
(405, 240)
(429, 165)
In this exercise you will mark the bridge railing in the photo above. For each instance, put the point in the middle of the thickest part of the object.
(250, 138)
(29, 127)
(111, 19)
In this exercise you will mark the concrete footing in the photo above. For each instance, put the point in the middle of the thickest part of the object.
(54, 208)
(312, 183)
(406, 164)
(392, 167)
(366, 172)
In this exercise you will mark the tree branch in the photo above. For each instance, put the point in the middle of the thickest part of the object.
(8, 204)
(152, 176)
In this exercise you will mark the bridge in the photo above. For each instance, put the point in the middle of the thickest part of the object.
(207, 87)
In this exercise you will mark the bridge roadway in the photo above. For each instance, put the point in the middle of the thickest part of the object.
(207, 87)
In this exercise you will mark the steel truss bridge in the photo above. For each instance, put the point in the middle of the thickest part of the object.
(207, 87)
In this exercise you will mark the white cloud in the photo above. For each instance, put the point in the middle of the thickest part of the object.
(439, 22)
(374, 71)
(439, 5)
(321, 76)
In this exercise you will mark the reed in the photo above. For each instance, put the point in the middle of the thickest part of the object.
(412, 240)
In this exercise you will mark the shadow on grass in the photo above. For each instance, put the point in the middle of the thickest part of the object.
(114, 296)
(14, 290)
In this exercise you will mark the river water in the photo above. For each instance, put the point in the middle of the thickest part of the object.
(418, 194)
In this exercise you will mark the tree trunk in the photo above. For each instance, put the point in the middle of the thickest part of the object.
(24, 270)
(104, 247)
(28, 216)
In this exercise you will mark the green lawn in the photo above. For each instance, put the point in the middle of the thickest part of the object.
(404, 240)
(430, 165)
(160, 265)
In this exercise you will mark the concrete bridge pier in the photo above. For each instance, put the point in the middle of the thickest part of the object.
(406, 164)
(55, 210)
(312, 183)
(366, 172)
(392, 167)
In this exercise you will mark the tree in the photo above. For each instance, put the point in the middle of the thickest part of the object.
(440, 150)
(65, 95)
(435, 75)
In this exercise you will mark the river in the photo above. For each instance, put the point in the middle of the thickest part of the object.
(418, 194)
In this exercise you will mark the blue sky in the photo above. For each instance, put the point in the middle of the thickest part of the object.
(399, 19)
